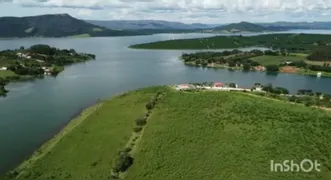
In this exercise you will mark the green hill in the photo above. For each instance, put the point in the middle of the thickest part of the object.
(243, 27)
(53, 25)
(291, 42)
(197, 136)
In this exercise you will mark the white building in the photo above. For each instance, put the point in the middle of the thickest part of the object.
(3, 69)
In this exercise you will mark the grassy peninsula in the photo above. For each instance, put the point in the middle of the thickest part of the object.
(317, 61)
(35, 62)
(161, 133)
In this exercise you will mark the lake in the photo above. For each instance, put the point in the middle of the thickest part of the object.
(34, 111)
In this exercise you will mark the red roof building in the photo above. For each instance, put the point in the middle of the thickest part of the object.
(218, 84)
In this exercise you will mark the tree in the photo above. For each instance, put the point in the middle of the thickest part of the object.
(150, 105)
(232, 85)
(272, 68)
(141, 121)
(247, 67)
(232, 63)
(123, 163)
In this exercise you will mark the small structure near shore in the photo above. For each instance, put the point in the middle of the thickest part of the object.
(218, 84)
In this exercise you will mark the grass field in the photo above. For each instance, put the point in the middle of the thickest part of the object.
(196, 136)
(221, 135)
(271, 60)
(4, 74)
(82, 35)
(87, 147)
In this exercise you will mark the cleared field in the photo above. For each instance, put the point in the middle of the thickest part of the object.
(87, 147)
(4, 74)
(226, 135)
(319, 63)
(276, 60)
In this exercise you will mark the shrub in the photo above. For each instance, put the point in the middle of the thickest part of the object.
(137, 129)
(141, 121)
(127, 149)
(123, 163)
(150, 105)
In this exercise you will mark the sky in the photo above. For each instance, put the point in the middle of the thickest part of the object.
(187, 11)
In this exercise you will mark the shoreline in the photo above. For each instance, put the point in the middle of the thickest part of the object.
(324, 74)
(48, 144)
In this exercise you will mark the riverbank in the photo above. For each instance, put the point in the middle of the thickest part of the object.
(93, 131)
(257, 60)
(47, 147)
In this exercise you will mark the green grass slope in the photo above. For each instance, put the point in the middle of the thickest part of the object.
(292, 42)
(196, 136)
(225, 135)
(87, 150)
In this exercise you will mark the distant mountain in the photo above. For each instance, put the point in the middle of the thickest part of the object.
(298, 25)
(148, 24)
(245, 27)
(55, 25)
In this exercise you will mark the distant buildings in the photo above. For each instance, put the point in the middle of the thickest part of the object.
(3, 69)
(24, 56)
(260, 68)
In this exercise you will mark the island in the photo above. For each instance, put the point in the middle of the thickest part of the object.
(307, 54)
(188, 134)
(34, 62)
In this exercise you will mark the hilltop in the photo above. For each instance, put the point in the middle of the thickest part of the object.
(53, 25)
(244, 27)
(161, 133)
(149, 24)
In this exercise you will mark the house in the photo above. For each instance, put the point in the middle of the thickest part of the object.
(288, 62)
(183, 86)
(258, 89)
(260, 68)
(3, 69)
(218, 84)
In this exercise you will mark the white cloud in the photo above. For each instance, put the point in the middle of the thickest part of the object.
(189, 10)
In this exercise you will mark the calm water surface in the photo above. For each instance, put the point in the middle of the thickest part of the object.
(33, 111)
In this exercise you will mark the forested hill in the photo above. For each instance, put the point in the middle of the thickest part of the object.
(55, 25)
(245, 27)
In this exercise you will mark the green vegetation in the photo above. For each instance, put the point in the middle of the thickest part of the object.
(6, 74)
(243, 27)
(54, 25)
(228, 135)
(293, 43)
(277, 60)
(90, 145)
(188, 135)
(271, 61)
(81, 36)
(26, 64)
